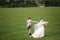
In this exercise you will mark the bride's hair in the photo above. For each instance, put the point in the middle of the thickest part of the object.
(43, 18)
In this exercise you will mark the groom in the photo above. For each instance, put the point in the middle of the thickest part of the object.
(29, 24)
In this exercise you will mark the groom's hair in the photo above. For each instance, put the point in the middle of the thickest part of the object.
(29, 18)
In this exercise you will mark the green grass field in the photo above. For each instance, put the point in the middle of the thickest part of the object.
(13, 23)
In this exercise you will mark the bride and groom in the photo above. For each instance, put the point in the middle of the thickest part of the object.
(38, 28)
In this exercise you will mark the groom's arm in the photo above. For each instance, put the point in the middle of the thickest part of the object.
(34, 21)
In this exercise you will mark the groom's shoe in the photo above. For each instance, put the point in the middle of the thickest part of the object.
(29, 34)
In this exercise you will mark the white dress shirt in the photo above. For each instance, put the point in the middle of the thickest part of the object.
(29, 22)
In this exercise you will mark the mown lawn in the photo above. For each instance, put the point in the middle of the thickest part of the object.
(13, 23)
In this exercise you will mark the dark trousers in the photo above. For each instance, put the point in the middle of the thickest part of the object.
(29, 30)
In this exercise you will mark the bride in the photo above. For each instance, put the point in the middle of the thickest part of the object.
(39, 29)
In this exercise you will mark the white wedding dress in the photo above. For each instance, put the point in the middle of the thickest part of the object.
(39, 29)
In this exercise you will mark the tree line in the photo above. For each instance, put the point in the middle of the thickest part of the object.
(18, 3)
(28, 3)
